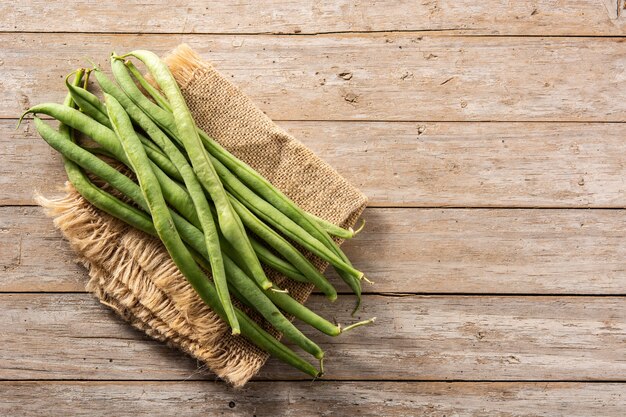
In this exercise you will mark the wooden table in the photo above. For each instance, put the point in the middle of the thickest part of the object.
(490, 138)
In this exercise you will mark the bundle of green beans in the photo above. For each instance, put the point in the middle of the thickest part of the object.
(211, 211)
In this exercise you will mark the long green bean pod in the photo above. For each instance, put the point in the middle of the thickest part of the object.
(153, 92)
(229, 223)
(158, 208)
(195, 191)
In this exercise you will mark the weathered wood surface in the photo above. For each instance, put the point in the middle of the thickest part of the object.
(304, 399)
(336, 77)
(71, 336)
(416, 250)
(407, 116)
(490, 17)
(412, 164)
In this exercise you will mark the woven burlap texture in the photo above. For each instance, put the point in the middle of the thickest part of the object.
(133, 274)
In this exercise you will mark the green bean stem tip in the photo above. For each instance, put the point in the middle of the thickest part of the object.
(358, 230)
(358, 324)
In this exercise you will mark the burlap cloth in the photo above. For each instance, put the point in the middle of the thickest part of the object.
(133, 274)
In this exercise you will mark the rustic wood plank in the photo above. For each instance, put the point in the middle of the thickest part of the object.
(302, 399)
(71, 336)
(412, 164)
(408, 250)
(335, 77)
(491, 17)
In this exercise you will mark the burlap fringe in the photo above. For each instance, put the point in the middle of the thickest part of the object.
(133, 274)
(185, 64)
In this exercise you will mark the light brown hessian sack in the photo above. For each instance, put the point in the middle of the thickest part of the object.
(132, 273)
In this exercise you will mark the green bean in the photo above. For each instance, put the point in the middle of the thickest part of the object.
(83, 123)
(154, 93)
(93, 108)
(64, 130)
(195, 190)
(334, 230)
(161, 116)
(229, 223)
(158, 208)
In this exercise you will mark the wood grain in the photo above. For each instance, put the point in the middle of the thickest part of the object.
(71, 336)
(421, 251)
(407, 115)
(412, 164)
(490, 17)
(303, 399)
(335, 77)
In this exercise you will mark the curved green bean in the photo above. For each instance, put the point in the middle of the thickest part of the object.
(153, 92)
(195, 190)
(158, 208)
(229, 223)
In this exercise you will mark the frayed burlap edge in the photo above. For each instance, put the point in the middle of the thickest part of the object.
(132, 273)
